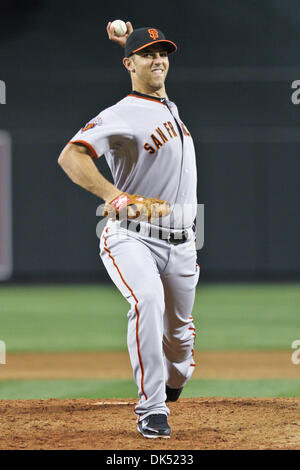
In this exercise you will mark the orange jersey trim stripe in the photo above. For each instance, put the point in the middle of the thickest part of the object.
(144, 98)
(86, 144)
(137, 313)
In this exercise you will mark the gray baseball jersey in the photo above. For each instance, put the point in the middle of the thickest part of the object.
(149, 151)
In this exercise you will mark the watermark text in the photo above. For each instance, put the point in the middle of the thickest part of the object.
(2, 352)
(162, 228)
(295, 97)
(2, 92)
(296, 354)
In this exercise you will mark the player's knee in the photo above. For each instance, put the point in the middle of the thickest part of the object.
(176, 348)
(153, 301)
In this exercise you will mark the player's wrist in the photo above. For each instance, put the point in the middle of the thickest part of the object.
(111, 195)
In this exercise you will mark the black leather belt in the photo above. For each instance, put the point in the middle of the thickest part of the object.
(174, 238)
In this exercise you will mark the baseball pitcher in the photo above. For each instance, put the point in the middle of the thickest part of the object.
(148, 244)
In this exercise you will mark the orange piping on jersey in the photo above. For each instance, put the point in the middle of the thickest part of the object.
(155, 42)
(193, 365)
(144, 98)
(137, 313)
(88, 126)
(86, 144)
(194, 329)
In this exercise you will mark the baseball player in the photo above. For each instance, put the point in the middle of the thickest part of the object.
(148, 244)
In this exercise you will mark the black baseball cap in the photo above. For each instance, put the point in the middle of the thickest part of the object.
(143, 37)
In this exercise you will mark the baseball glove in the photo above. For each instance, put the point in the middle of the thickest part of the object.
(133, 206)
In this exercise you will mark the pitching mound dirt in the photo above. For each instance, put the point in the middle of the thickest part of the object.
(202, 423)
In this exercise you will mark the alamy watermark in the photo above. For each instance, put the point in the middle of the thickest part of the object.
(161, 228)
(2, 92)
(296, 354)
(295, 96)
(2, 352)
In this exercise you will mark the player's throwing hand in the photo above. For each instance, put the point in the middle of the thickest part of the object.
(121, 40)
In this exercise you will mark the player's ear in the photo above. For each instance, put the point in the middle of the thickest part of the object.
(129, 64)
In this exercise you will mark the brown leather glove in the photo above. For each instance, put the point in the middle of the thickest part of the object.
(133, 206)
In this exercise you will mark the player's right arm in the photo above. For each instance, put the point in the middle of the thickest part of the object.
(121, 40)
(77, 162)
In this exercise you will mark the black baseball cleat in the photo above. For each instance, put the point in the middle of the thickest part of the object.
(155, 426)
(173, 393)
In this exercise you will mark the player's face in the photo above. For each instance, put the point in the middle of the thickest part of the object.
(151, 66)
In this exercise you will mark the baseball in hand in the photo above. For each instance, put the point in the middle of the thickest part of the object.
(120, 27)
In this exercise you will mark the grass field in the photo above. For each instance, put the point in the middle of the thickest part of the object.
(64, 318)
(95, 388)
(93, 318)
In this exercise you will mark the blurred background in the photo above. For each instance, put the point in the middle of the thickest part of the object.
(232, 82)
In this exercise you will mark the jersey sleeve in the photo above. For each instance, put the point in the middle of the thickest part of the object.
(98, 133)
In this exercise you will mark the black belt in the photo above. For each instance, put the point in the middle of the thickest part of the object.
(174, 238)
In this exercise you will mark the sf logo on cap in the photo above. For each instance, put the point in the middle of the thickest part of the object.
(153, 33)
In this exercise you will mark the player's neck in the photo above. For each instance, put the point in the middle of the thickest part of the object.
(161, 93)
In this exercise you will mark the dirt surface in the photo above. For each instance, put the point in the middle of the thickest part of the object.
(203, 423)
(209, 365)
(198, 423)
